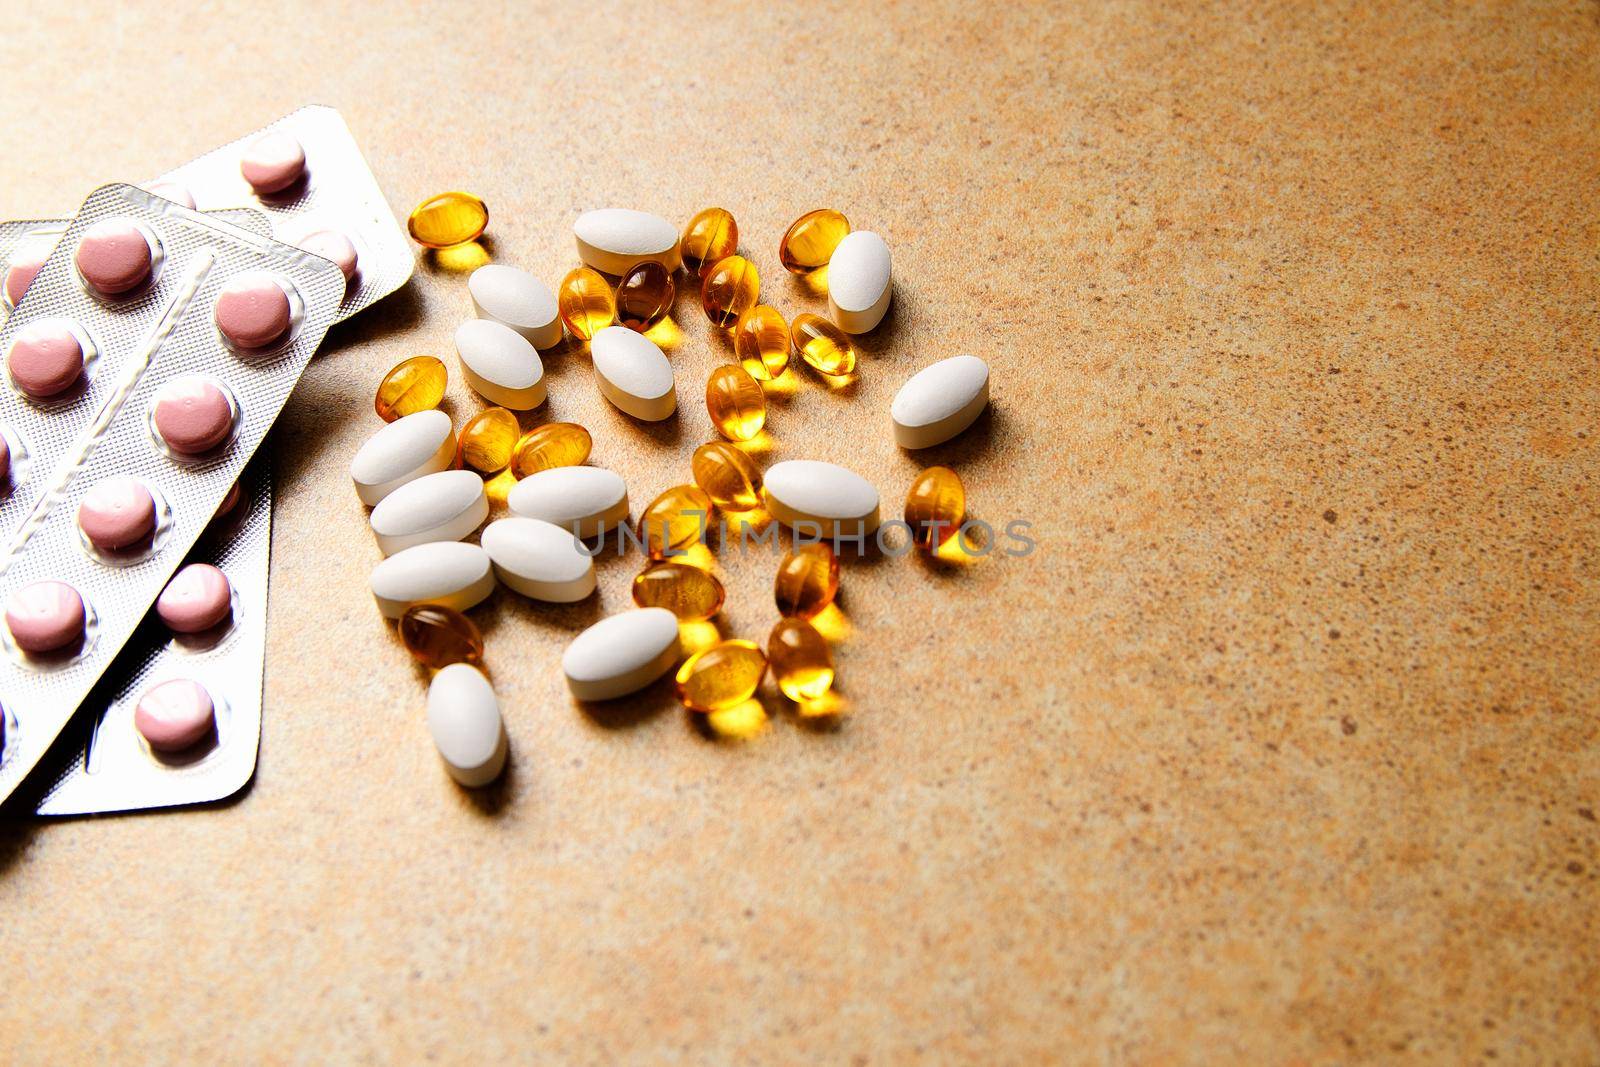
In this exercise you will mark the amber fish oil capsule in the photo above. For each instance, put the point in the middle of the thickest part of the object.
(809, 243)
(712, 235)
(438, 636)
(735, 402)
(731, 288)
(685, 590)
(644, 295)
(674, 520)
(802, 663)
(448, 219)
(935, 507)
(729, 477)
(555, 444)
(726, 674)
(586, 303)
(823, 346)
(807, 582)
(414, 385)
(487, 441)
(761, 341)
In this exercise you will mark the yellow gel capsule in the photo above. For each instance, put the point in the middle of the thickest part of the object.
(414, 385)
(721, 676)
(935, 507)
(586, 303)
(555, 444)
(731, 288)
(802, 664)
(810, 241)
(487, 441)
(736, 403)
(685, 590)
(644, 295)
(729, 477)
(437, 636)
(761, 341)
(822, 345)
(808, 580)
(674, 520)
(711, 235)
(448, 219)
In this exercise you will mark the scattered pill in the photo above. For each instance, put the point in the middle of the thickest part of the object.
(555, 444)
(726, 674)
(621, 654)
(446, 506)
(45, 616)
(174, 192)
(117, 513)
(822, 345)
(761, 341)
(734, 399)
(731, 287)
(614, 239)
(586, 303)
(516, 299)
(114, 257)
(413, 385)
(812, 493)
(539, 559)
(437, 637)
(808, 580)
(712, 235)
(858, 282)
(447, 220)
(336, 248)
(644, 295)
(936, 506)
(674, 520)
(687, 591)
(175, 715)
(500, 364)
(633, 374)
(811, 239)
(402, 451)
(452, 574)
(253, 311)
(802, 663)
(940, 401)
(728, 477)
(585, 501)
(197, 598)
(272, 163)
(468, 730)
(46, 359)
(24, 266)
(193, 415)
(488, 439)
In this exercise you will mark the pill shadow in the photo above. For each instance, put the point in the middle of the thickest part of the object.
(635, 709)
(966, 446)
(493, 798)
(881, 338)
(668, 432)
(506, 604)
(398, 312)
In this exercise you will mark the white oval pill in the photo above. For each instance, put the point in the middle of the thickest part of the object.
(836, 501)
(539, 559)
(452, 574)
(403, 451)
(464, 719)
(633, 373)
(621, 654)
(516, 299)
(500, 364)
(613, 239)
(858, 282)
(939, 401)
(585, 501)
(436, 507)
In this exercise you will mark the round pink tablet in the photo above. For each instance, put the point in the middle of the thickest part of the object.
(5, 458)
(253, 312)
(45, 359)
(174, 715)
(273, 163)
(198, 598)
(23, 269)
(192, 415)
(335, 246)
(178, 194)
(45, 616)
(229, 501)
(116, 513)
(114, 257)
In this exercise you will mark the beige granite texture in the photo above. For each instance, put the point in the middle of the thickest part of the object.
(1281, 748)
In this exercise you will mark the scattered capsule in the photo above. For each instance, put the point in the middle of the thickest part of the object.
(438, 636)
(935, 507)
(761, 341)
(731, 288)
(808, 580)
(487, 441)
(586, 303)
(555, 444)
(729, 477)
(736, 403)
(417, 384)
(674, 520)
(687, 591)
(802, 664)
(721, 676)
(644, 295)
(712, 235)
(822, 345)
(448, 219)
(810, 241)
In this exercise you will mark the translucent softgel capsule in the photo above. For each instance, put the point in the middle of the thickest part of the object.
(448, 219)
(822, 345)
(808, 580)
(761, 340)
(735, 402)
(438, 636)
(412, 386)
(802, 663)
(586, 303)
(935, 507)
(555, 444)
(810, 241)
(644, 295)
(674, 520)
(731, 288)
(487, 440)
(729, 477)
(711, 235)
(721, 676)
(685, 590)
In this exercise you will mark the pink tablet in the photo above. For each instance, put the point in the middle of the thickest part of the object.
(5, 459)
(175, 715)
(273, 163)
(114, 257)
(45, 616)
(117, 513)
(178, 194)
(335, 246)
(253, 312)
(192, 415)
(24, 267)
(198, 598)
(46, 359)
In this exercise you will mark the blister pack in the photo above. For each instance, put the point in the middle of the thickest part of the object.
(147, 361)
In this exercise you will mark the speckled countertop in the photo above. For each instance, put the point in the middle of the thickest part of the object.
(1281, 748)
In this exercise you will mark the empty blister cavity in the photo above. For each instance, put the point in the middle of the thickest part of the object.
(415, 445)
(500, 364)
(49, 358)
(436, 507)
(451, 574)
(194, 417)
(257, 313)
(621, 654)
(516, 299)
(614, 239)
(117, 258)
(633, 373)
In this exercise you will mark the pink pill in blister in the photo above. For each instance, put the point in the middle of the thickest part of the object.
(24, 267)
(46, 359)
(114, 257)
(45, 616)
(192, 415)
(198, 598)
(178, 194)
(273, 163)
(253, 312)
(175, 715)
(5, 458)
(335, 246)
(117, 513)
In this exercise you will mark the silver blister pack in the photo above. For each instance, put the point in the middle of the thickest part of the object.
(141, 344)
